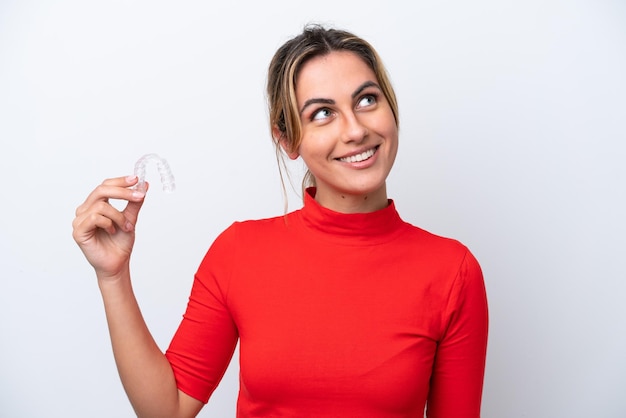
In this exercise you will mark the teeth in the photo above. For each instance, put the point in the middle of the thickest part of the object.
(359, 157)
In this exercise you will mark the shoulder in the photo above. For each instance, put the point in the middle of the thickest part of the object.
(452, 266)
(253, 231)
(252, 228)
(442, 255)
(433, 243)
(240, 241)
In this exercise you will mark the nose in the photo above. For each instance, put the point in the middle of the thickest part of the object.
(353, 128)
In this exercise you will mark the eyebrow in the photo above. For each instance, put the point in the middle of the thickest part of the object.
(331, 101)
(313, 101)
(363, 87)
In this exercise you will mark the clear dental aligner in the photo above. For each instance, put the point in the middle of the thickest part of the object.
(167, 179)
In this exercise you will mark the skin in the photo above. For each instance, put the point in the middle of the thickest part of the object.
(344, 113)
(106, 237)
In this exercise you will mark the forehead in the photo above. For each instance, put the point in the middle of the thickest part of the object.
(332, 74)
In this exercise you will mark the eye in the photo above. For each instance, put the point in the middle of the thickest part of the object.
(321, 114)
(367, 100)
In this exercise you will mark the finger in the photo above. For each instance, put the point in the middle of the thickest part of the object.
(101, 215)
(113, 184)
(117, 217)
(125, 181)
(131, 211)
(116, 188)
(85, 228)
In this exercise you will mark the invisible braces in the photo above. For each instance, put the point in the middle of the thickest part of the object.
(167, 179)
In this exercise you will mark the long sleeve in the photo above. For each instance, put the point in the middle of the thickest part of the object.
(458, 372)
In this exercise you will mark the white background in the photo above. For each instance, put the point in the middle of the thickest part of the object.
(512, 141)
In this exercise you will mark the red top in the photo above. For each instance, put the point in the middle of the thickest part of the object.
(338, 315)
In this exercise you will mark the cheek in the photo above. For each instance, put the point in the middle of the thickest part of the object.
(391, 133)
(389, 129)
(394, 134)
(316, 144)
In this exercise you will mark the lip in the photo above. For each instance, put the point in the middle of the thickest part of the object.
(359, 151)
(360, 164)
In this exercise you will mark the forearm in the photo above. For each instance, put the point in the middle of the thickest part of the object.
(145, 372)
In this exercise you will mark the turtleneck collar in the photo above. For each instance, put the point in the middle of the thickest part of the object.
(351, 228)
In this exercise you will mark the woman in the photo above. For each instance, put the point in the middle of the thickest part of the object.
(341, 308)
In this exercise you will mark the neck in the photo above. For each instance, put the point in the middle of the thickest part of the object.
(353, 203)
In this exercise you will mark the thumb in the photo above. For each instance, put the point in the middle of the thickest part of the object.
(131, 211)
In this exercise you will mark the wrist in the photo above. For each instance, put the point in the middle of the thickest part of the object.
(111, 280)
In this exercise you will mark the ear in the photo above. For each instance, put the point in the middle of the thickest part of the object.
(280, 138)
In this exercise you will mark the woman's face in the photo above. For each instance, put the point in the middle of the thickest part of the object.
(349, 134)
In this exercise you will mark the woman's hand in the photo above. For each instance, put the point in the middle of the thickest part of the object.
(104, 234)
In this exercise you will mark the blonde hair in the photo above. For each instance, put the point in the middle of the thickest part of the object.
(314, 41)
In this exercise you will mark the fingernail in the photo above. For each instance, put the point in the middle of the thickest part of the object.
(131, 178)
(129, 227)
(138, 195)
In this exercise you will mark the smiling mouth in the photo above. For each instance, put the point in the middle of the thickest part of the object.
(360, 157)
